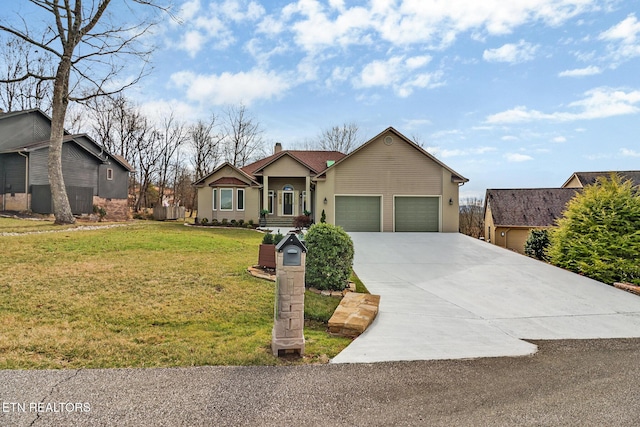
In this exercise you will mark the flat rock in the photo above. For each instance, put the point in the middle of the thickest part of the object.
(354, 314)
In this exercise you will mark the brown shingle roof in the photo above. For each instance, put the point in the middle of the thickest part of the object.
(228, 180)
(316, 161)
(589, 178)
(528, 207)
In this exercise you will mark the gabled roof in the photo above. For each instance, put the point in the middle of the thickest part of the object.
(228, 180)
(455, 176)
(314, 160)
(84, 141)
(589, 178)
(201, 181)
(528, 207)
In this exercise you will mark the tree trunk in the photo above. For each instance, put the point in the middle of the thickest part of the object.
(61, 207)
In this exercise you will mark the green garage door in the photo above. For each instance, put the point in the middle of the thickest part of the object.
(417, 214)
(358, 213)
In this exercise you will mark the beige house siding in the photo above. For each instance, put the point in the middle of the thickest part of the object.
(286, 166)
(450, 214)
(574, 182)
(205, 198)
(388, 170)
(489, 226)
(512, 238)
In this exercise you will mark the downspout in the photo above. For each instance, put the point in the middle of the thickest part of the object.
(26, 179)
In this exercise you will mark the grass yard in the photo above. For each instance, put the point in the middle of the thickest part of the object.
(148, 294)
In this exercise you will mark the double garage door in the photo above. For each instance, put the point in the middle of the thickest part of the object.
(364, 213)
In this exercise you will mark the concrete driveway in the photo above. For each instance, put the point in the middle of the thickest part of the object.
(448, 296)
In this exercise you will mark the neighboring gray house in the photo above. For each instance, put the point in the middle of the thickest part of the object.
(92, 175)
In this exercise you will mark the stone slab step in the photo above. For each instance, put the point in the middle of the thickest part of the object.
(354, 314)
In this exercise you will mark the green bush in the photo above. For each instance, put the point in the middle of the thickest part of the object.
(536, 244)
(599, 235)
(267, 239)
(277, 237)
(323, 217)
(329, 257)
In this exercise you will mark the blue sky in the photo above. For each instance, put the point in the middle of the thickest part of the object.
(507, 93)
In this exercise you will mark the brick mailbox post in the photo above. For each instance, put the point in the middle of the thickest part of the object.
(288, 328)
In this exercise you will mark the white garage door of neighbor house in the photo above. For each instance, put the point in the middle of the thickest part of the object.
(417, 213)
(358, 213)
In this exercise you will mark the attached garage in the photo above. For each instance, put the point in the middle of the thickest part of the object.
(358, 213)
(416, 213)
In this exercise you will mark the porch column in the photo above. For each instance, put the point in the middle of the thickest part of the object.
(265, 192)
(307, 194)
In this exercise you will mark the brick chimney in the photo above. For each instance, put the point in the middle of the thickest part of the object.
(277, 148)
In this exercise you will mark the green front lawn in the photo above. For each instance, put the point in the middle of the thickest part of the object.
(148, 294)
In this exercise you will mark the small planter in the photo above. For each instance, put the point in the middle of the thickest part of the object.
(267, 256)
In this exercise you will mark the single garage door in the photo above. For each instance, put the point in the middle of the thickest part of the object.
(417, 213)
(358, 213)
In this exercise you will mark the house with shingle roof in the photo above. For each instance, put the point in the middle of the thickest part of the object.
(387, 184)
(582, 179)
(510, 214)
(92, 175)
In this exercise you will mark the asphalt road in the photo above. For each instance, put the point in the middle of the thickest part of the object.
(585, 383)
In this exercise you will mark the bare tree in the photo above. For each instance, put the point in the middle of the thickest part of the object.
(17, 57)
(207, 146)
(343, 138)
(244, 136)
(148, 150)
(88, 46)
(172, 136)
(472, 217)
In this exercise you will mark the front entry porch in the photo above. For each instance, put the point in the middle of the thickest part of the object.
(286, 198)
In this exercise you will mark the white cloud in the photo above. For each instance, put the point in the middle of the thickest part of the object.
(629, 153)
(509, 138)
(459, 152)
(228, 88)
(512, 53)
(397, 73)
(241, 10)
(624, 38)
(517, 157)
(625, 31)
(581, 72)
(559, 139)
(597, 103)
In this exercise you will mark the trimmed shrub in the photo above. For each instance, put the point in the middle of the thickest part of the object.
(267, 239)
(329, 257)
(302, 221)
(599, 234)
(204, 221)
(323, 217)
(536, 244)
(277, 237)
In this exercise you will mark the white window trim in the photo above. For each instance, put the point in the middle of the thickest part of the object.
(238, 199)
(226, 210)
(109, 174)
(272, 198)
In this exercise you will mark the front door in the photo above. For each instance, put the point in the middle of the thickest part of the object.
(287, 202)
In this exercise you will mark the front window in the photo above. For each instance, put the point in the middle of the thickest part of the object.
(240, 199)
(109, 174)
(215, 199)
(226, 199)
